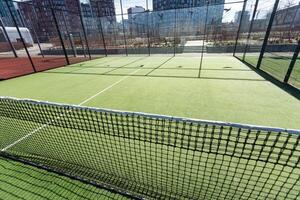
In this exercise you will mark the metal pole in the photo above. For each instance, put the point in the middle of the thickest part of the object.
(239, 28)
(250, 28)
(69, 34)
(82, 45)
(292, 64)
(201, 60)
(59, 35)
(20, 34)
(175, 26)
(25, 25)
(263, 49)
(8, 39)
(83, 28)
(101, 29)
(123, 27)
(21, 17)
(148, 35)
(36, 35)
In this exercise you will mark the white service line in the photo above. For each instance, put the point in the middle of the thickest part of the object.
(80, 104)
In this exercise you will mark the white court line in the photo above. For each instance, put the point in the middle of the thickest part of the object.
(80, 104)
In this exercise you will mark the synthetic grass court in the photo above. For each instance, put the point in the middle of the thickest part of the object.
(137, 84)
(227, 90)
(277, 66)
(153, 157)
(19, 181)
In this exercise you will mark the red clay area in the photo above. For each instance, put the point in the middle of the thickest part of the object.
(14, 67)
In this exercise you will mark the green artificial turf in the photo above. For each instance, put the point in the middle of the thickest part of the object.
(277, 66)
(227, 90)
(154, 157)
(19, 181)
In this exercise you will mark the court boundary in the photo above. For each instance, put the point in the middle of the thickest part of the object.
(80, 104)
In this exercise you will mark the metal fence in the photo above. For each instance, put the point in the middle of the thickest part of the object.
(264, 34)
(268, 38)
(71, 32)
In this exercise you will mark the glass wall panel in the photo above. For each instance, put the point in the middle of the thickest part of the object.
(190, 23)
(136, 31)
(244, 28)
(113, 33)
(93, 29)
(72, 33)
(46, 50)
(295, 75)
(134, 6)
(257, 34)
(283, 39)
(222, 26)
(14, 60)
(161, 32)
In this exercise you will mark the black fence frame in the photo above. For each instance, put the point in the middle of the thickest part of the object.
(265, 43)
(146, 12)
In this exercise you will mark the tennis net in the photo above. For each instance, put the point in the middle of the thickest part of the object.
(153, 156)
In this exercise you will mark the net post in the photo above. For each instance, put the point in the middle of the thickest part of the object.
(7, 37)
(239, 28)
(20, 34)
(292, 63)
(263, 49)
(83, 29)
(125, 42)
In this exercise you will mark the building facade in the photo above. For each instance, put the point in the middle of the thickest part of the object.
(37, 15)
(5, 14)
(103, 8)
(172, 4)
(187, 18)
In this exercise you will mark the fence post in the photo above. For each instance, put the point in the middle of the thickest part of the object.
(263, 49)
(69, 35)
(175, 27)
(239, 28)
(7, 37)
(37, 37)
(250, 28)
(204, 38)
(83, 29)
(293, 62)
(20, 34)
(101, 29)
(33, 30)
(123, 28)
(148, 34)
(59, 35)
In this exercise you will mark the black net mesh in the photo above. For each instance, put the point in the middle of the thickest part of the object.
(154, 156)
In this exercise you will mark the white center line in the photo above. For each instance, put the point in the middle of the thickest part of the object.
(80, 104)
